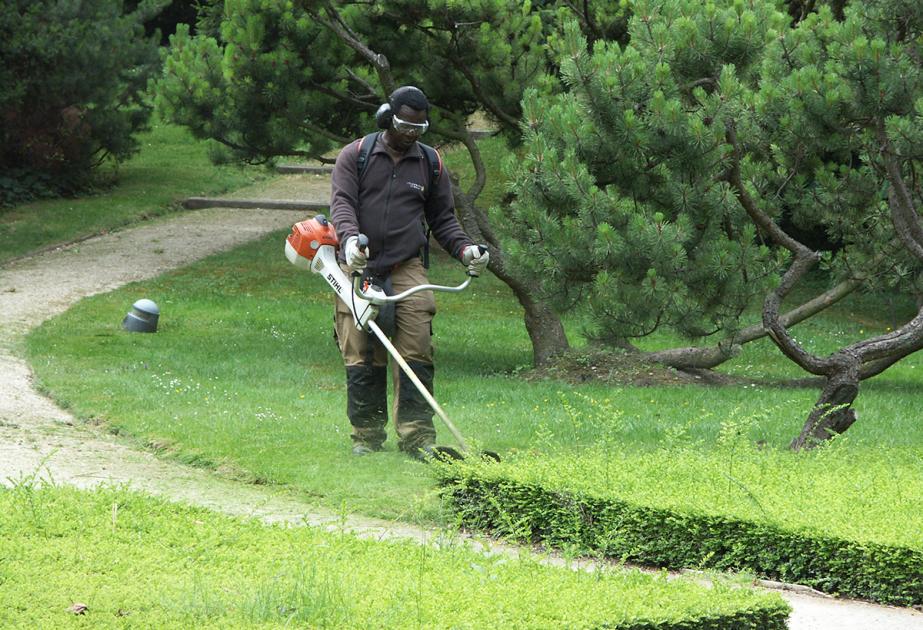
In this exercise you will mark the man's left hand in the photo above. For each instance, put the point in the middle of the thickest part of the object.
(476, 258)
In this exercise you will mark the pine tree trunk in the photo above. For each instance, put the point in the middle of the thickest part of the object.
(833, 412)
(545, 330)
(542, 324)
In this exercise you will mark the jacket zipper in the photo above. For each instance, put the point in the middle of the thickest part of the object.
(384, 219)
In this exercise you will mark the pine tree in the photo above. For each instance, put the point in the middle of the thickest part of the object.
(840, 108)
(278, 77)
(74, 77)
(622, 201)
(654, 185)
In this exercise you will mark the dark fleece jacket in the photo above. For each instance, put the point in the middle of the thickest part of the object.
(390, 203)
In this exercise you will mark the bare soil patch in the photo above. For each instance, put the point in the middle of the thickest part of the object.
(610, 367)
(616, 367)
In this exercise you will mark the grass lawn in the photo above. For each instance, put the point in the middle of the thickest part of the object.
(170, 167)
(114, 559)
(244, 375)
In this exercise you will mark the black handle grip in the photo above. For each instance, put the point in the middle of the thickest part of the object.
(363, 243)
(482, 249)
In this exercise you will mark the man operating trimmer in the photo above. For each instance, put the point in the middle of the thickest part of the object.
(391, 188)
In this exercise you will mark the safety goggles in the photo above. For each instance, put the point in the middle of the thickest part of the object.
(402, 126)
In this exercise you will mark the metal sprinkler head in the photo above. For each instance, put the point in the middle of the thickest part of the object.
(142, 317)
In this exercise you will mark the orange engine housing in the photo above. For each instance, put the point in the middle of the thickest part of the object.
(308, 236)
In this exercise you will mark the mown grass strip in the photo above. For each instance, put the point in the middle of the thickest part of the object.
(139, 561)
(741, 510)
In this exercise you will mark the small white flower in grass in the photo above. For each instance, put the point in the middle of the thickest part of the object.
(265, 415)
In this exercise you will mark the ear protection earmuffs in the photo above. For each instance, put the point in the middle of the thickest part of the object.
(383, 116)
(386, 111)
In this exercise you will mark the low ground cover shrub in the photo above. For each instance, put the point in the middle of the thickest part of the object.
(136, 560)
(805, 518)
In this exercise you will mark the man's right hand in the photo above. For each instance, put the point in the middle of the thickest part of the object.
(356, 257)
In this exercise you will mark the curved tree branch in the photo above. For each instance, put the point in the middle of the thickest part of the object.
(332, 20)
(713, 356)
(903, 214)
(874, 368)
(369, 105)
(476, 87)
(804, 260)
(480, 171)
(369, 88)
(883, 346)
(488, 102)
(324, 132)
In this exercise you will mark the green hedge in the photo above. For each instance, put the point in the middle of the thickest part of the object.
(528, 502)
(138, 561)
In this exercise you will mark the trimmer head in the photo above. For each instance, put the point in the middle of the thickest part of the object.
(450, 454)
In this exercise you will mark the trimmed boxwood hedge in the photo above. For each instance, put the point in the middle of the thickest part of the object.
(486, 497)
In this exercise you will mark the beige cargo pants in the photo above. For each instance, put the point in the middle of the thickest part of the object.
(366, 362)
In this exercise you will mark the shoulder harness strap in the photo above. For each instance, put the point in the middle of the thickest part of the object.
(364, 148)
(434, 164)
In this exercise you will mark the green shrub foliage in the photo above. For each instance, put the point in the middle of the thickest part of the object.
(73, 76)
(530, 509)
(625, 203)
(271, 77)
(622, 203)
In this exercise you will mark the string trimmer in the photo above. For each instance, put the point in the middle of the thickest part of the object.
(313, 245)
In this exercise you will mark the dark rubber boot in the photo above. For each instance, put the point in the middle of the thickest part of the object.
(414, 415)
(367, 404)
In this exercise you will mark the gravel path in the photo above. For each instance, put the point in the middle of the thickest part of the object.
(40, 440)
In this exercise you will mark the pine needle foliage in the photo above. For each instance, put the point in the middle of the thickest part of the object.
(621, 201)
(275, 77)
(74, 76)
(626, 199)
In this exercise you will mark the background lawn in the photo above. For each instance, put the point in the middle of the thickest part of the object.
(169, 167)
(244, 375)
